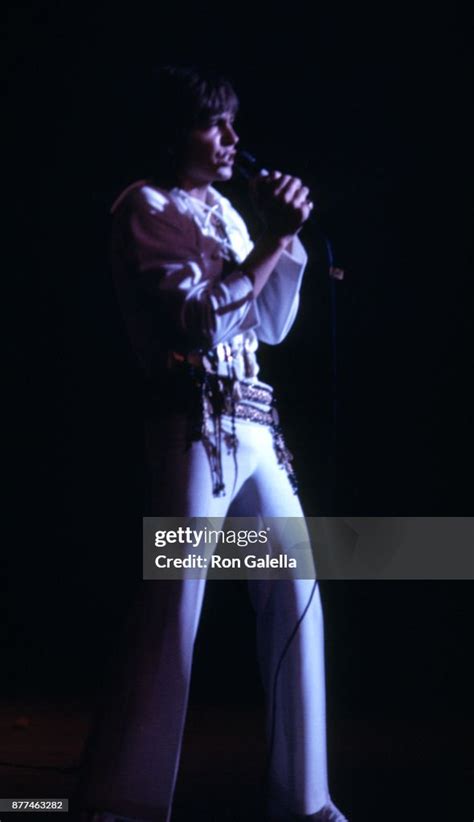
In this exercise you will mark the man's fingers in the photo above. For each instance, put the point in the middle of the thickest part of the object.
(284, 200)
(273, 175)
(302, 196)
(283, 186)
(282, 182)
(288, 186)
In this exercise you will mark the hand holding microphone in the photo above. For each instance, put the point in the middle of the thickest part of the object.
(282, 200)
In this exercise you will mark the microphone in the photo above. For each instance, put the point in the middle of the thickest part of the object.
(247, 165)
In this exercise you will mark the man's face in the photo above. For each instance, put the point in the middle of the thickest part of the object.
(210, 151)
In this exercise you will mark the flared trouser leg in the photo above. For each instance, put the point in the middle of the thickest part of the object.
(290, 646)
(133, 756)
(292, 668)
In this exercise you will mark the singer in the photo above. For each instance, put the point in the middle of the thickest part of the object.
(198, 297)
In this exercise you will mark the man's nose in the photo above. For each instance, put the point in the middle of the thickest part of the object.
(230, 136)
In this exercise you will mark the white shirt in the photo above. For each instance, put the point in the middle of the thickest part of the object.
(168, 251)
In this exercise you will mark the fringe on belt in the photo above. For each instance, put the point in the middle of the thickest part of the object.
(221, 396)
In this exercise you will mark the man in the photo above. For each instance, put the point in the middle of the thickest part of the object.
(197, 297)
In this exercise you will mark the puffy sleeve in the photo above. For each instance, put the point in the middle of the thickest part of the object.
(278, 302)
(177, 270)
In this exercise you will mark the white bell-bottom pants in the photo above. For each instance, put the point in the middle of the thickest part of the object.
(133, 756)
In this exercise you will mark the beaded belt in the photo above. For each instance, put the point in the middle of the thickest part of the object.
(252, 414)
(245, 407)
(255, 393)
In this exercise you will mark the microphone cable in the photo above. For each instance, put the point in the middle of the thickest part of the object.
(275, 680)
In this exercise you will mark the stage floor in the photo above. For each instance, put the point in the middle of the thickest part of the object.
(380, 771)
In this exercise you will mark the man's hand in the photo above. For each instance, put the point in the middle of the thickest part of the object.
(283, 202)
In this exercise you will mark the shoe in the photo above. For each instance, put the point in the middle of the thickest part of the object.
(329, 813)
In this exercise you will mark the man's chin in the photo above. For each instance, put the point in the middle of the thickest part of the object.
(224, 172)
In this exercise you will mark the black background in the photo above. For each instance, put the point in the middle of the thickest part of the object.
(371, 107)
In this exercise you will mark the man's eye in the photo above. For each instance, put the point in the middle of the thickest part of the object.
(222, 121)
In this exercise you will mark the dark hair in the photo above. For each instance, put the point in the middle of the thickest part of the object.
(184, 98)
